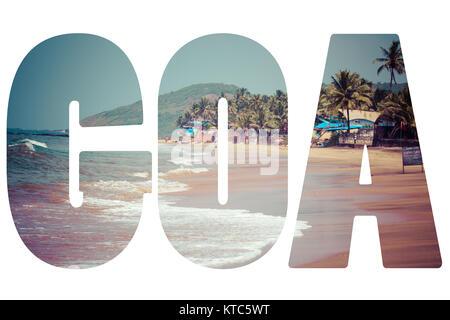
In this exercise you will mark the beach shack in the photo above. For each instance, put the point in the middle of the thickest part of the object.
(361, 129)
(200, 131)
(388, 133)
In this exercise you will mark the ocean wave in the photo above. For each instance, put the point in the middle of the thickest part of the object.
(166, 186)
(121, 186)
(221, 238)
(117, 210)
(135, 188)
(182, 172)
(140, 174)
(181, 161)
(16, 131)
(122, 200)
(27, 144)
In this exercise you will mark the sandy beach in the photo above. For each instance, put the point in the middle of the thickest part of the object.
(332, 197)
(246, 186)
(223, 236)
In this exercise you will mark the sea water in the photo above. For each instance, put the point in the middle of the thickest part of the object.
(218, 238)
(113, 184)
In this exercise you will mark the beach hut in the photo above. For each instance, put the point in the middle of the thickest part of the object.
(362, 124)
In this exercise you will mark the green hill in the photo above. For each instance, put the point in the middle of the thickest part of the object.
(125, 115)
(171, 105)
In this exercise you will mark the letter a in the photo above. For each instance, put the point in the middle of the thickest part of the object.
(365, 101)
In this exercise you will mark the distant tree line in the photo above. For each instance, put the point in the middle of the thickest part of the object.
(245, 111)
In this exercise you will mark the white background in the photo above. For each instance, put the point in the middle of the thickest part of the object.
(297, 35)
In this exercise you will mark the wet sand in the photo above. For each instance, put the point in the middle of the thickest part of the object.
(223, 236)
(332, 197)
(246, 188)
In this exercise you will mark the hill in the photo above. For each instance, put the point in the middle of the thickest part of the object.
(171, 105)
(125, 115)
(396, 88)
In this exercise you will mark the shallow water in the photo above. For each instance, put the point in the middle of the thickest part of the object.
(219, 236)
(113, 184)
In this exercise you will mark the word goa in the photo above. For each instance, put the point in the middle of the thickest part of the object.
(78, 167)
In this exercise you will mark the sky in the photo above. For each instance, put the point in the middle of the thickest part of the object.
(356, 53)
(82, 67)
(99, 75)
(223, 58)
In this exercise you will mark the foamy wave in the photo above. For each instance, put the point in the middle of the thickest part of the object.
(135, 188)
(221, 238)
(166, 186)
(182, 172)
(34, 142)
(124, 186)
(181, 161)
(129, 206)
(141, 174)
(299, 227)
(116, 210)
(28, 144)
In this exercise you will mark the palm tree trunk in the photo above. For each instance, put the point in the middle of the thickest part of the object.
(348, 120)
(392, 77)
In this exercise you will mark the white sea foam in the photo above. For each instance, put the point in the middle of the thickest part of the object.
(221, 238)
(117, 210)
(25, 145)
(167, 186)
(140, 174)
(29, 144)
(181, 161)
(182, 171)
(122, 186)
(98, 196)
(34, 142)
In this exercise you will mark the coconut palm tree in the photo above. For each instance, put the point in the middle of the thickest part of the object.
(279, 107)
(392, 61)
(398, 108)
(195, 111)
(323, 97)
(203, 106)
(232, 110)
(362, 105)
(378, 96)
(241, 98)
(255, 101)
(262, 118)
(240, 93)
(246, 111)
(184, 119)
(347, 91)
(211, 112)
(243, 121)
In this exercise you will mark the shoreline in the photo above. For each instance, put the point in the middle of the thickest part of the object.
(245, 184)
(399, 201)
(224, 236)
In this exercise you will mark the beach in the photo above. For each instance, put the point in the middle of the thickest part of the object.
(222, 236)
(113, 184)
(332, 197)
